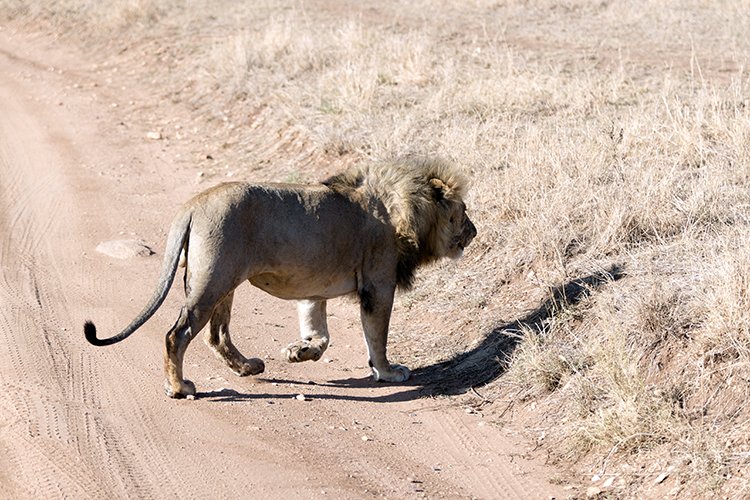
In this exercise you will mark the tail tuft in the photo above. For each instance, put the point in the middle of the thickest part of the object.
(89, 330)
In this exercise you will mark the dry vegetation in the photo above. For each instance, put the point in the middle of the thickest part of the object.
(609, 143)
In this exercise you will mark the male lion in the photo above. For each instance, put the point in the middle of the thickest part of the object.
(364, 231)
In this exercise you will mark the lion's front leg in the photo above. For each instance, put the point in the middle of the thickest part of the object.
(313, 330)
(375, 309)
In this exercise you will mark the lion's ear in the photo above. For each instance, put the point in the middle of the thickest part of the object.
(439, 189)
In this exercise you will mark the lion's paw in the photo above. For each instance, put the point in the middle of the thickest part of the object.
(252, 366)
(396, 373)
(186, 388)
(302, 350)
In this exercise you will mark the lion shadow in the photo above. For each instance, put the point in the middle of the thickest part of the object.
(464, 371)
(486, 362)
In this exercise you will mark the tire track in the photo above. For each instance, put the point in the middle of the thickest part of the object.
(60, 439)
(487, 465)
(467, 453)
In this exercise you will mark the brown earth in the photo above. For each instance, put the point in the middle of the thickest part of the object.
(85, 422)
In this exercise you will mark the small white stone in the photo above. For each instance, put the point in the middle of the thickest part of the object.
(300, 397)
(661, 477)
(153, 135)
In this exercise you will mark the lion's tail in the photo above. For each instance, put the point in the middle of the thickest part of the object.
(177, 240)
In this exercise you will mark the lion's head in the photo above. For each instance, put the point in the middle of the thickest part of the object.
(424, 200)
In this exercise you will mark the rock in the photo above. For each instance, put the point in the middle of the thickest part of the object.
(153, 135)
(124, 249)
(664, 475)
(661, 477)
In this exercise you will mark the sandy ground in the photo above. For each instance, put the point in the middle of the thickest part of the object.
(84, 422)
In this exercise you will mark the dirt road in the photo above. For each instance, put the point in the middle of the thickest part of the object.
(84, 422)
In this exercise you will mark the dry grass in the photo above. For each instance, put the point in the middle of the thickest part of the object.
(596, 134)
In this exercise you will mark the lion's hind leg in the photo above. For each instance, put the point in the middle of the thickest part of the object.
(313, 330)
(218, 339)
(177, 340)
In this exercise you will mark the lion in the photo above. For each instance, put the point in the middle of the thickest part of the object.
(363, 232)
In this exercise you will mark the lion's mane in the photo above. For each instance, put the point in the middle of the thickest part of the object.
(417, 194)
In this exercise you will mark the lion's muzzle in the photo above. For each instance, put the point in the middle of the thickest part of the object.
(468, 233)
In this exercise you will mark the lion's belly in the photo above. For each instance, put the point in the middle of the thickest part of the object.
(299, 286)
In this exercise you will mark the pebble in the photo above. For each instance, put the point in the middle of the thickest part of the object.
(661, 477)
(664, 475)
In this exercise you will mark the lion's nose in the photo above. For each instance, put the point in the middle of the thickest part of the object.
(470, 232)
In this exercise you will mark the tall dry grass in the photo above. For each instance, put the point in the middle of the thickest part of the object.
(596, 134)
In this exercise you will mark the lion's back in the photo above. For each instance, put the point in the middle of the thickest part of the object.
(288, 224)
